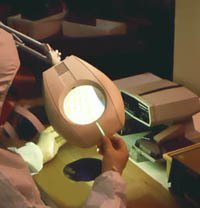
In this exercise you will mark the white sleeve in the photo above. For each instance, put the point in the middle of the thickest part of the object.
(32, 155)
(108, 191)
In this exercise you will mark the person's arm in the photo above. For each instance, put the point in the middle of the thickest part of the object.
(109, 189)
(9, 65)
(35, 155)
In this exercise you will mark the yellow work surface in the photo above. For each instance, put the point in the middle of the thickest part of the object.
(142, 190)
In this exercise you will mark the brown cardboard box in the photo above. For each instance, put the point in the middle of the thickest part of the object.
(102, 28)
(169, 155)
(38, 29)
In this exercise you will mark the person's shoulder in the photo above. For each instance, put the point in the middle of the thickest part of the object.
(4, 35)
(9, 58)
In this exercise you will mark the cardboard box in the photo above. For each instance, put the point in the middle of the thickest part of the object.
(153, 100)
(38, 29)
(169, 155)
(102, 27)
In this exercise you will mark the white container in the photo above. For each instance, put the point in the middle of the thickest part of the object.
(102, 27)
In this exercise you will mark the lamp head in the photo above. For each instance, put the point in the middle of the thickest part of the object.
(77, 97)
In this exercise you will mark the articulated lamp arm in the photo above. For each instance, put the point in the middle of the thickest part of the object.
(42, 51)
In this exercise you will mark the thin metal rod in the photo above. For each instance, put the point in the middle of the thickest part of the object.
(33, 52)
(22, 36)
(100, 129)
(36, 48)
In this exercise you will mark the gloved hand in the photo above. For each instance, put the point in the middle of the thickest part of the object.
(49, 142)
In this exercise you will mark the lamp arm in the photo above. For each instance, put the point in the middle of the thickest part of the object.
(40, 50)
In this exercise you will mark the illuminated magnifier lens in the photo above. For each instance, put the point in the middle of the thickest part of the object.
(84, 104)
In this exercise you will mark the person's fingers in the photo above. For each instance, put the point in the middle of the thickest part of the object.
(119, 144)
(106, 142)
(48, 129)
(60, 141)
(54, 134)
(105, 145)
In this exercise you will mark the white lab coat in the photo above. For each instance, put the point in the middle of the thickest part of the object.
(17, 188)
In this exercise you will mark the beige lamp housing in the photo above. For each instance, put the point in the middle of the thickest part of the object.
(72, 72)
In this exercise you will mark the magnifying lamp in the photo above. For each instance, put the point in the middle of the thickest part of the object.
(81, 102)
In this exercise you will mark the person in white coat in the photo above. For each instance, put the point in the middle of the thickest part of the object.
(17, 187)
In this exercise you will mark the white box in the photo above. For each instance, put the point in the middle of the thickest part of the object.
(38, 29)
(152, 100)
(102, 27)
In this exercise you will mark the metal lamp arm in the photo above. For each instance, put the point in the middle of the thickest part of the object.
(40, 50)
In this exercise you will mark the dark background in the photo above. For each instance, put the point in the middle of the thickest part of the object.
(147, 46)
